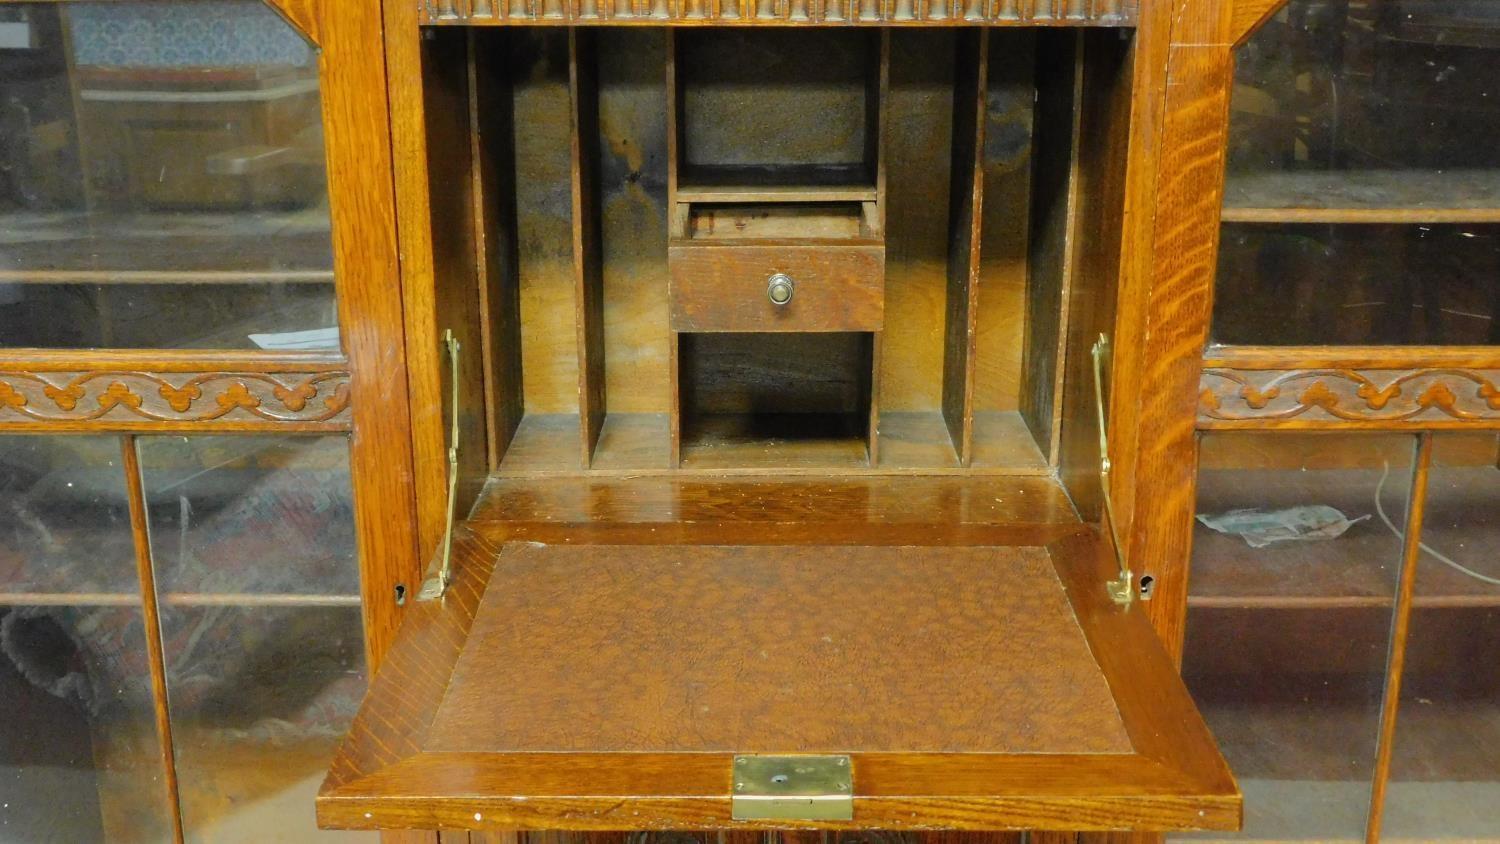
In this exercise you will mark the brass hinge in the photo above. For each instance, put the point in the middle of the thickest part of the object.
(793, 788)
(1122, 588)
(435, 585)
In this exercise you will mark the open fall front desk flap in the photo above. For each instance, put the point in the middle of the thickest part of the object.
(644, 686)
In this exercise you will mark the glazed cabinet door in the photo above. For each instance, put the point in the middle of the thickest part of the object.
(196, 263)
(1334, 572)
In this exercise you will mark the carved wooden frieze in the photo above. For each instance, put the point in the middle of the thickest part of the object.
(780, 12)
(1335, 397)
(212, 400)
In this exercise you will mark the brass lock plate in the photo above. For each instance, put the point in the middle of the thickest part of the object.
(802, 788)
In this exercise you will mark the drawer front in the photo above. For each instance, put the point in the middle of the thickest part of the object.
(728, 288)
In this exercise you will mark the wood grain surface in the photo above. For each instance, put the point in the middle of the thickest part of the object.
(718, 287)
(976, 652)
(387, 774)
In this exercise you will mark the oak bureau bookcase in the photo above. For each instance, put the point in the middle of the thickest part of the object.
(757, 357)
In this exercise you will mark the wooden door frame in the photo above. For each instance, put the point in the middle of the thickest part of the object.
(357, 133)
(1171, 248)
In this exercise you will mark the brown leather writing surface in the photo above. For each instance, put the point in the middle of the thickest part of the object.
(776, 649)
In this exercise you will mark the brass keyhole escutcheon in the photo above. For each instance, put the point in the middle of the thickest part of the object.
(779, 289)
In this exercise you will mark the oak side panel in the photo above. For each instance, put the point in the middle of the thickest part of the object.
(496, 237)
(423, 353)
(1106, 129)
(456, 302)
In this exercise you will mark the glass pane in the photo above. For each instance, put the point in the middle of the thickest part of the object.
(1362, 179)
(260, 697)
(1289, 619)
(162, 177)
(1445, 765)
(64, 520)
(80, 759)
(262, 515)
(258, 585)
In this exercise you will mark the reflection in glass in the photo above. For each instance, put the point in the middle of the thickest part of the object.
(80, 759)
(64, 520)
(1445, 764)
(1289, 619)
(258, 586)
(263, 515)
(160, 160)
(1363, 179)
(260, 698)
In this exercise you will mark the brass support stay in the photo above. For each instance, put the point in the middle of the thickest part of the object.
(435, 585)
(1122, 588)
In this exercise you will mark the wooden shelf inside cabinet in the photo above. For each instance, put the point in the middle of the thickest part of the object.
(168, 248)
(175, 599)
(613, 687)
(1357, 569)
(1363, 196)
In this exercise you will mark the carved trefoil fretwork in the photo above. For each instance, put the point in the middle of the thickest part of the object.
(1334, 397)
(210, 400)
(783, 12)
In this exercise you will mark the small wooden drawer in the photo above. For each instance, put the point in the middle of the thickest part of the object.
(717, 287)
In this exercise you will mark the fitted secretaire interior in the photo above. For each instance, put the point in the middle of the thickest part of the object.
(635, 189)
(775, 386)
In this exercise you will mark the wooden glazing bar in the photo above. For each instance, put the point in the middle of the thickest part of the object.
(146, 573)
(1411, 553)
(496, 236)
(588, 256)
(965, 216)
(1054, 225)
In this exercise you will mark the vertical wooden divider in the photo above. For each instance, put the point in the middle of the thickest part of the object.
(1055, 220)
(496, 240)
(135, 491)
(1411, 552)
(675, 228)
(965, 214)
(588, 255)
(877, 130)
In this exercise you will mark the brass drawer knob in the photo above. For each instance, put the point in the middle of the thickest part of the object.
(779, 289)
